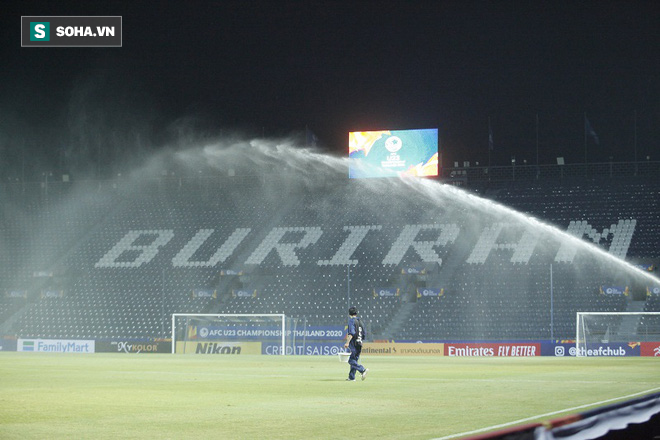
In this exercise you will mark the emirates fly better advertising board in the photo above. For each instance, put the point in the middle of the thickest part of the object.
(390, 153)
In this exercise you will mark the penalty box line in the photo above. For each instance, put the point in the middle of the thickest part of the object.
(529, 419)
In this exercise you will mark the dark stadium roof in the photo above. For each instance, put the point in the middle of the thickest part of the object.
(335, 66)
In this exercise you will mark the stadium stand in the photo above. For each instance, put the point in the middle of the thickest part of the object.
(649, 326)
(309, 252)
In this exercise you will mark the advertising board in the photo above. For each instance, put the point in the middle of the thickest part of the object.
(56, 346)
(261, 333)
(222, 348)
(651, 349)
(128, 346)
(612, 349)
(403, 349)
(7, 344)
(306, 349)
(493, 349)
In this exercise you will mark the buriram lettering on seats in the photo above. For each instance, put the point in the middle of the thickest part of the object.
(521, 250)
(621, 233)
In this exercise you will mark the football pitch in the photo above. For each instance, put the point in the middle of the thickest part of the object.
(249, 397)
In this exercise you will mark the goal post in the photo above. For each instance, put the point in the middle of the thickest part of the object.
(593, 329)
(207, 333)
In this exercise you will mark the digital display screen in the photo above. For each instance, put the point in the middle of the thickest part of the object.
(390, 153)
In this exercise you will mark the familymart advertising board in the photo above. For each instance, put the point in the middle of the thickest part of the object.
(56, 345)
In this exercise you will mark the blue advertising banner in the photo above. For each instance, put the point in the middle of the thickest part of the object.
(646, 267)
(613, 290)
(8, 344)
(16, 294)
(413, 270)
(260, 333)
(319, 332)
(386, 292)
(430, 292)
(52, 294)
(229, 272)
(309, 349)
(204, 293)
(558, 349)
(244, 293)
(615, 349)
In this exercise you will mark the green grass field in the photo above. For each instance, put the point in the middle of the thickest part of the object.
(224, 397)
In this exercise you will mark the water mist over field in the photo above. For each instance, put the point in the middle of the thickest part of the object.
(280, 166)
(296, 167)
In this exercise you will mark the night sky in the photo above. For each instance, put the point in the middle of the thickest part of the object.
(276, 67)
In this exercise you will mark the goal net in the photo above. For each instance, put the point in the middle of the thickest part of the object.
(596, 329)
(228, 334)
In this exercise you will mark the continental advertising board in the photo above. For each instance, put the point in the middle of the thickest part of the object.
(402, 349)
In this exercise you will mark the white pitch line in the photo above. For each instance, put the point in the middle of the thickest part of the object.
(452, 380)
(390, 379)
(529, 419)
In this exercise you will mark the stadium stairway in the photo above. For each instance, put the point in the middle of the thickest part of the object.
(405, 310)
(86, 228)
(443, 278)
(630, 323)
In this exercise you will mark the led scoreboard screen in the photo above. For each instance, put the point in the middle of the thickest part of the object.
(388, 153)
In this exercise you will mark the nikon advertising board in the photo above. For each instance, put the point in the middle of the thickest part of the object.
(218, 347)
